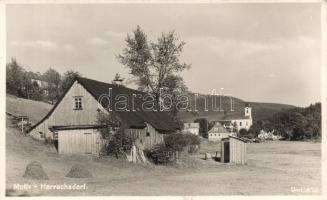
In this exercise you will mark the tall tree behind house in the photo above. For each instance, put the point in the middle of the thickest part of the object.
(155, 66)
(53, 78)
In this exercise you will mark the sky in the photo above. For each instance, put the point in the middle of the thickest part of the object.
(257, 52)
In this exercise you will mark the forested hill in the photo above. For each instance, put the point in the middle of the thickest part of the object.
(259, 110)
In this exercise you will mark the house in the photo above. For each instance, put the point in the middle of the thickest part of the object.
(238, 121)
(218, 132)
(268, 135)
(192, 128)
(72, 122)
(39, 80)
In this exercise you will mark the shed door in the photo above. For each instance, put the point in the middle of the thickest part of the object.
(88, 143)
(226, 152)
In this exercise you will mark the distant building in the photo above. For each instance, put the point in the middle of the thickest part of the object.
(268, 135)
(239, 121)
(38, 79)
(218, 132)
(192, 128)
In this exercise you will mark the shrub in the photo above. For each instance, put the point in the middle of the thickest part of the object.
(48, 140)
(177, 141)
(193, 139)
(243, 132)
(160, 154)
(119, 144)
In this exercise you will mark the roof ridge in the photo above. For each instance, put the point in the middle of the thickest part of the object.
(109, 84)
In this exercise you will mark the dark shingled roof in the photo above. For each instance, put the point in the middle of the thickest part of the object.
(160, 120)
(218, 128)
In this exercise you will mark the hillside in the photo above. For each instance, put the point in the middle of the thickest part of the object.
(35, 110)
(259, 110)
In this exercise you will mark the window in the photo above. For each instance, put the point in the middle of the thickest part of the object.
(41, 135)
(78, 103)
(240, 123)
(147, 134)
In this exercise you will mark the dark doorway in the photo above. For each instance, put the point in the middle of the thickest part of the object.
(55, 143)
(226, 152)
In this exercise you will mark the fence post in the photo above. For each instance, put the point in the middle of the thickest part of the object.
(22, 125)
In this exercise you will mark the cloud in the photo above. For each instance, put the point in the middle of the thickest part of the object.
(238, 46)
(309, 41)
(114, 34)
(68, 47)
(34, 44)
(97, 41)
(271, 75)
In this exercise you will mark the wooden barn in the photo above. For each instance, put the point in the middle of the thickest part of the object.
(72, 122)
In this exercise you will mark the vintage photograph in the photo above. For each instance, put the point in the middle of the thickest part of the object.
(163, 99)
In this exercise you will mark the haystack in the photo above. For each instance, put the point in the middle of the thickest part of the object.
(79, 171)
(34, 170)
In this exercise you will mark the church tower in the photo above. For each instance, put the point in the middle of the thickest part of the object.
(248, 110)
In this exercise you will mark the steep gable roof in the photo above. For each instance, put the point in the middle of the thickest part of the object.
(218, 128)
(161, 121)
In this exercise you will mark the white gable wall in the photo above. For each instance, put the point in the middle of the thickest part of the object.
(65, 115)
(242, 123)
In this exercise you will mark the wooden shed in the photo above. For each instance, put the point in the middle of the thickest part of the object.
(237, 150)
(145, 138)
(233, 150)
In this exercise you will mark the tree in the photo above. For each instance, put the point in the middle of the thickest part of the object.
(27, 86)
(53, 78)
(295, 123)
(14, 76)
(203, 123)
(68, 77)
(243, 133)
(155, 67)
(37, 92)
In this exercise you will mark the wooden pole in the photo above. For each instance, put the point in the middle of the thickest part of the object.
(134, 154)
(22, 125)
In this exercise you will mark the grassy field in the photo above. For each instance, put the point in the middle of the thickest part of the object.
(35, 110)
(273, 169)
